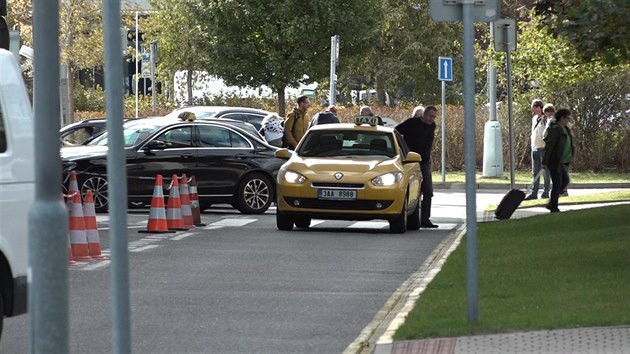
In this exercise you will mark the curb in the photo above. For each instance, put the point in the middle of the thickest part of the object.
(459, 185)
(376, 337)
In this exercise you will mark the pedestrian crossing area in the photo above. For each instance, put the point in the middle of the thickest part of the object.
(220, 223)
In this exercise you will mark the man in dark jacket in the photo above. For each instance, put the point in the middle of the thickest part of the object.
(419, 133)
(558, 154)
(326, 117)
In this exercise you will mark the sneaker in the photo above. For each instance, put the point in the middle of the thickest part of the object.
(545, 196)
(555, 210)
(531, 197)
(428, 225)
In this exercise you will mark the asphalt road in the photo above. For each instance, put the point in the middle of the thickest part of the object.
(240, 285)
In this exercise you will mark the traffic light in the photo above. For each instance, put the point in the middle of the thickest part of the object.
(4, 28)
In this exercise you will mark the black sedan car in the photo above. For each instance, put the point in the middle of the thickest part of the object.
(230, 164)
(244, 114)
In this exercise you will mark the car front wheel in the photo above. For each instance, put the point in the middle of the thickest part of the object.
(98, 185)
(255, 194)
(303, 222)
(398, 225)
(283, 221)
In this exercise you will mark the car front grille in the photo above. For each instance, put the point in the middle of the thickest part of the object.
(338, 185)
(313, 203)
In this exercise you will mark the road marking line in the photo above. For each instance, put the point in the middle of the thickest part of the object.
(182, 236)
(233, 222)
(97, 265)
(368, 225)
(317, 222)
(140, 249)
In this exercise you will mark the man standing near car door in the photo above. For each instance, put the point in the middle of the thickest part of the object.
(296, 123)
(419, 133)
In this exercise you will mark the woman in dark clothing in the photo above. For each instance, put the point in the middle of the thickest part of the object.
(419, 133)
(558, 154)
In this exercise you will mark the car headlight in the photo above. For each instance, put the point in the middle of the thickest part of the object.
(293, 177)
(387, 179)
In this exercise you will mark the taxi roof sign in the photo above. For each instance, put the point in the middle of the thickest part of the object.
(371, 120)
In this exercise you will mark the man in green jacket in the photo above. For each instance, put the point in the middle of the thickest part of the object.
(558, 154)
(296, 124)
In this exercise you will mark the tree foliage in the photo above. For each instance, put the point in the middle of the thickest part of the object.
(179, 39)
(597, 28)
(254, 43)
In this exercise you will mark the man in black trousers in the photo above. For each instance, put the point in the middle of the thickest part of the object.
(419, 133)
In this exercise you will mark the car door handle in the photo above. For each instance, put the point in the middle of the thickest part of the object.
(187, 155)
(240, 156)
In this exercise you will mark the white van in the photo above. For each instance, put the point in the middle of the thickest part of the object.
(17, 186)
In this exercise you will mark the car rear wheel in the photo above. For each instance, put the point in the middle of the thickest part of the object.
(98, 185)
(284, 222)
(303, 222)
(413, 221)
(255, 194)
(398, 225)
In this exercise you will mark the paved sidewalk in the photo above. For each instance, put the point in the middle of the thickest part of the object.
(578, 340)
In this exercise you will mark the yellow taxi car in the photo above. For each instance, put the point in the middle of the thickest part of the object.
(346, 171)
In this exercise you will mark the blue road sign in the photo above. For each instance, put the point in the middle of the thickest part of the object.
(445, 69)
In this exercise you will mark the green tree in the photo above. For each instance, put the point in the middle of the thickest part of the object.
(80, 34)
(597, 28)
(179, 37)
(254, 43)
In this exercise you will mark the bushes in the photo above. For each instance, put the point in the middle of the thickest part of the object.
(597, 148)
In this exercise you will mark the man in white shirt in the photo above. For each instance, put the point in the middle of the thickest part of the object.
(539, 122)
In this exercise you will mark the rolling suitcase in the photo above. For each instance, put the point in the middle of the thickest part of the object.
(511, 201)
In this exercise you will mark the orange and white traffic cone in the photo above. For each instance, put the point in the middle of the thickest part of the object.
(157, 215)
(73, 187)
(71, 261)
(78, 236)
(91, 229)
(185, 200)
(194, 203)
(174, 219)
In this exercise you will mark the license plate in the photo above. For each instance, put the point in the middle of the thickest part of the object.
(338, 194)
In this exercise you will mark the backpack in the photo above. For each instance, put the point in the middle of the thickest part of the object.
(285, 141)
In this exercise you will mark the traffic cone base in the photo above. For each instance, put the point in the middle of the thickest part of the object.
(91, 228)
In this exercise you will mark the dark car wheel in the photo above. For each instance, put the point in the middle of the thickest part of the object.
(303, 222)
(283, 221)
(413, 221)
(98, 185)
(398, 225)
(254, 194)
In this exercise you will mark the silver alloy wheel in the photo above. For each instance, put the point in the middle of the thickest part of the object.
(256, 194)
(98, 185)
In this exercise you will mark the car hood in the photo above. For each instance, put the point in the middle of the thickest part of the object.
(350, 166)
(79, 152)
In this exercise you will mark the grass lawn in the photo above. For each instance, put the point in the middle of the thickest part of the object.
(525, 177)
(564, 270)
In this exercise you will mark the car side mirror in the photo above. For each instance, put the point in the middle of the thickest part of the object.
(283, 154)
(412, 157)
(155, 145)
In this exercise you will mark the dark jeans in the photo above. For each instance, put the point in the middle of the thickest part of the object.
(427, 192)
(537, 157)
(560, 180)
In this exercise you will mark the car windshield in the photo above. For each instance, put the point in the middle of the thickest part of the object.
(326, 143)
(133, 133)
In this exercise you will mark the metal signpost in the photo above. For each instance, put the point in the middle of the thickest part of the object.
(445, 73)
(468, 11)
(334, 61)
(48, 217)
(505, 41)
(117, 177)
